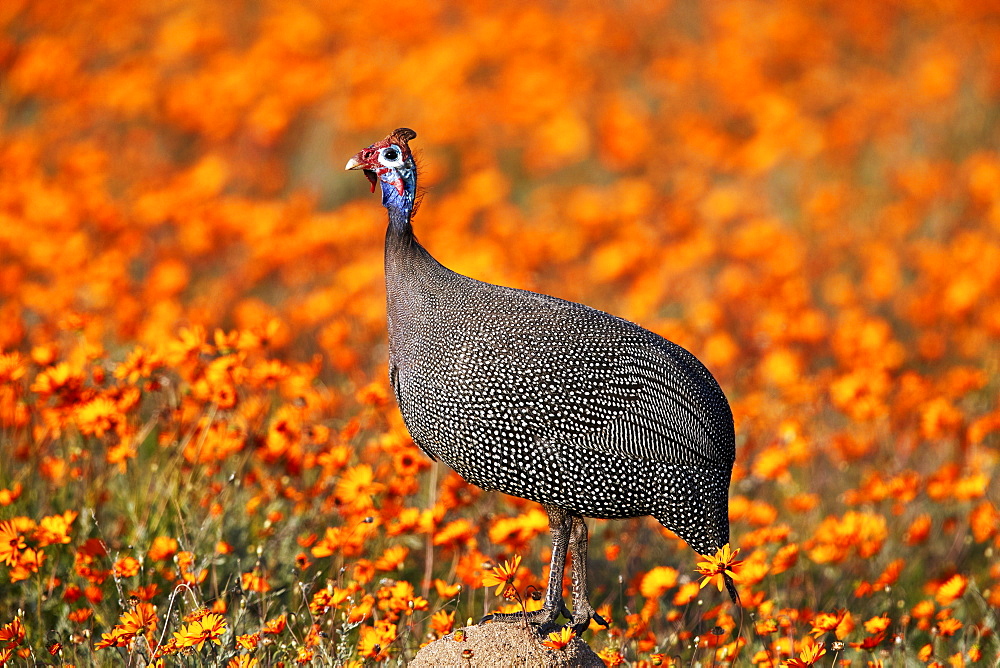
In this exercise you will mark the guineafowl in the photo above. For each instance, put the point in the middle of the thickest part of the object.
(552, 401)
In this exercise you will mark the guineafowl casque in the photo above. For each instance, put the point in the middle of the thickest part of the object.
(584, 412)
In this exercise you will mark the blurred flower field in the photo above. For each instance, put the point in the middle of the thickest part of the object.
(201, 462)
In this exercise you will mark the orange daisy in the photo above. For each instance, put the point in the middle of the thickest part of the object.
(209, 628)
(503, 575)
(716, 567)
(11, 543)
(559, 639)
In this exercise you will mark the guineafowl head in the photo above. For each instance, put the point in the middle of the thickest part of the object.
(390, 164)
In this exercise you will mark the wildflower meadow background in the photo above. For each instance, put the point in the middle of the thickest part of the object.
(201, 463)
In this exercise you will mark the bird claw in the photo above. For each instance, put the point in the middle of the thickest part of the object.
(584, 624)
(541, 618)
(544, 619)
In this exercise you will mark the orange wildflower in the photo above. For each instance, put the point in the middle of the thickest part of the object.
(141, 620)
(12, 367)
(657, 581)
(951, 589)
(442, 622)
(785, 558)
(324, 600)
(72, 593)
(254, 581)
(375, 641)
(807, 657)
(826, 621)
(54, 529)
(400, 598)
(357, 486)
(12, 633)
(985, 521)
(392, 558)
(126, 567)
(516, 532)
(243, 661)
(94, 593)
(11, 543)
(949, 626)
(871, 642)
(502, 575)
(919, 530)
(184, 560)
(804, 502)
(9, 496)
(269, 373)
(890, 575)
(209, 628)
(140, 363)
(408, 462)
(558, 640)
(116, 637)
(189, 344)
(611, 656)
(866, 532)
(80, 615)
(276, 625)
(363, 571)
(723, 563)
(877, 624)
(271, 331)
(59, 380)
(362, 609)
(755, 568)
(192, 578)
(146, 592)
(456, 532)
(445, 590)
(163, 548)
(98, 416)
(28, 562)
(766, 627)
(841, 622)
(686, 593)
(373, 394)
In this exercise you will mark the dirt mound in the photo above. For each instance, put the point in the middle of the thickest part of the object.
(503, 646)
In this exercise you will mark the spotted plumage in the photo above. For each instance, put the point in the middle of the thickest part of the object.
(549, 400)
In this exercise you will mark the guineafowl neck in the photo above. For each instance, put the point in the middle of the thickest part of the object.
(413, 278)
(405, 258)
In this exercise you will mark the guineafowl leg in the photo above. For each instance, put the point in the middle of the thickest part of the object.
(560, 526)
(583, 612)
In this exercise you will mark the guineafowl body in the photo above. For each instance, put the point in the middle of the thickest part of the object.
(546, 399)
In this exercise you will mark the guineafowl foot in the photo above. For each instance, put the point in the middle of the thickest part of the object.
(580, 625)
(544, 620)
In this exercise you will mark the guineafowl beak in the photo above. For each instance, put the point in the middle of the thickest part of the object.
(355, 163)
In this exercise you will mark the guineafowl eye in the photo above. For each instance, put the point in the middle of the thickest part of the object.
(391, 157)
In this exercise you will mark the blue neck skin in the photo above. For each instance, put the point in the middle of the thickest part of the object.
(400, 206)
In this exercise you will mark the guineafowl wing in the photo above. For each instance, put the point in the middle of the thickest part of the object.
(677, 413)
(627, 391)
